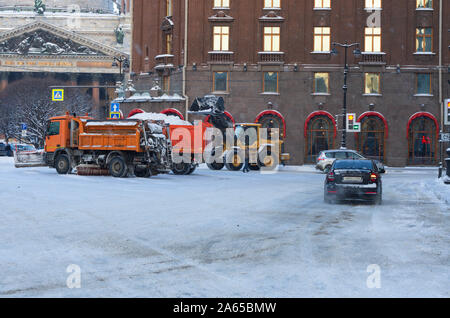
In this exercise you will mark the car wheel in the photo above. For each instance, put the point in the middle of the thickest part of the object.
(63, 164)
(379, 199)
(118, 168)
(327, 198)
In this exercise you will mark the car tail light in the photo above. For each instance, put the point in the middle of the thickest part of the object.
(331, 176)
(373, 177)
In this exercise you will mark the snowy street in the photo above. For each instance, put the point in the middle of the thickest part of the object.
(220, 234)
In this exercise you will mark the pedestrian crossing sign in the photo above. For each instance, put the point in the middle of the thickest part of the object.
(58, 95)
(115, 115)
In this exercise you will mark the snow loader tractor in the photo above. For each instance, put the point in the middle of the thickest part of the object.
(263, 148)
(118, 148)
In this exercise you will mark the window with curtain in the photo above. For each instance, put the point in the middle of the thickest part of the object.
(221, 38)
(372, 83)
(272, 39)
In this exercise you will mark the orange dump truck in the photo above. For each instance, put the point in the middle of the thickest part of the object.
(189, 144)
(120, 147)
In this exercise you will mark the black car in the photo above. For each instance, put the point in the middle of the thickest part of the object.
(353, 179)
(3, 149)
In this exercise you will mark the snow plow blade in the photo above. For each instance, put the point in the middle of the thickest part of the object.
(28, 159)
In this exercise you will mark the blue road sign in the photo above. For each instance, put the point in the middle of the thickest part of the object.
(115, 108)
(115, 115)
(58, 95)
(24, 127)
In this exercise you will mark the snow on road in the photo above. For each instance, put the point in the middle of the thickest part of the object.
(219, 234)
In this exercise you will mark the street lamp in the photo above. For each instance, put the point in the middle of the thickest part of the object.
(357, 53)
(122, 62)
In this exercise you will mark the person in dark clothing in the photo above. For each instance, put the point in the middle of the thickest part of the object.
(246, 161)
(9, 151)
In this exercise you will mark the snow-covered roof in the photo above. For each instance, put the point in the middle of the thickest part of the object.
(145, 97)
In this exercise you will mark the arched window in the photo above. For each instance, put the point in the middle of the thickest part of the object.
(173, 112)
(372, 138)
(272, 119)
(422, 137)
(320, 135)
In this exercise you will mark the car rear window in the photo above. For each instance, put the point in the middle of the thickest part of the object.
(340, 155)
(329, 154)
(354, 164)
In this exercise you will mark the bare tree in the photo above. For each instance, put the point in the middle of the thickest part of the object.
(29, 101)
(9, 123)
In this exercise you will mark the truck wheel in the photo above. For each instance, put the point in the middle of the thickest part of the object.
(216, 166)
(181, 169)
(192, 169)
(118, 168)
(255, 167)
(234, 162)
(142, 172)
(268, 161)
(62, 164)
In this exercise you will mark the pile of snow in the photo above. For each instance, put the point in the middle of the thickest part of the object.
(171, 120)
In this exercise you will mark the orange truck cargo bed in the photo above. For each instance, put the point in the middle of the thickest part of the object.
(121, 135)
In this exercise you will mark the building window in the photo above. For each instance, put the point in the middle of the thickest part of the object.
(169, 43)
(321, 83)
(372, 40)
(322, 39)
(270, 82)
(221, 3)
(220, 82)
(424, 40)
(169, 7)
(421, 4)
(423, 84)
(373, 4)
(221, 38)
(372, 83)
(271, 39)
(272, 4)
(322, 4)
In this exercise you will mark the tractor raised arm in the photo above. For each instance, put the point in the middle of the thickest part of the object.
(214, 107)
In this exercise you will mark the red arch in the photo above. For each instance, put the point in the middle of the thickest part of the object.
(173, 111)
(134, 112)
(422, 114)
(320, 113)
(274, 113)
(226, 114)
(376, 114)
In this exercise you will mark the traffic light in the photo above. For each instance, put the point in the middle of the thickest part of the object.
(352, 124)
(447, 112)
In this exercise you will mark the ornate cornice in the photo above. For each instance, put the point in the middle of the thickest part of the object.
(62, 33)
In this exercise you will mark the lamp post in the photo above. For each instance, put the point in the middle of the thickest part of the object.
(122, 62)
(357, 53)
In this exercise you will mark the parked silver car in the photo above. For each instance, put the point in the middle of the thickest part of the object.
(327, 157)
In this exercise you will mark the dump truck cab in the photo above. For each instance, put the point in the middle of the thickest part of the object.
(63, 132)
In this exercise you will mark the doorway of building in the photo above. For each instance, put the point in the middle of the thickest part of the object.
(422, 135)
(320, 135)
(372, 138)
